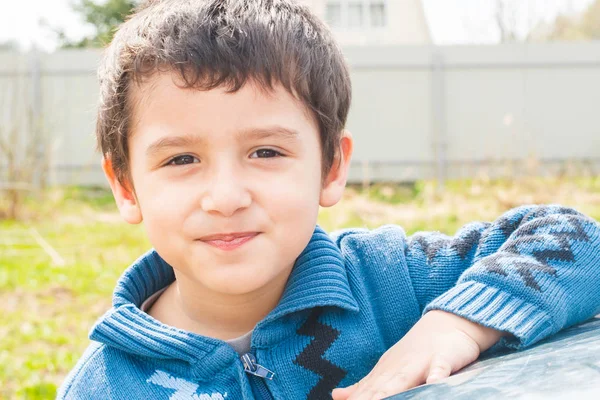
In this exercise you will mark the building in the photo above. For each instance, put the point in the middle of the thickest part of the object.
(374, 22)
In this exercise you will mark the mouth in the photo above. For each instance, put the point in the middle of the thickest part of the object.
(229, 241)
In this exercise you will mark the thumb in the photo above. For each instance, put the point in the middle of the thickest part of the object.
(439, 369)
(343, 393)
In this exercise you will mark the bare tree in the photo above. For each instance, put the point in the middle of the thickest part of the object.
(511, 20)
(582, 26)
(506, 18)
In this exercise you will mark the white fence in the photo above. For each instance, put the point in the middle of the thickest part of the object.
(418, 112)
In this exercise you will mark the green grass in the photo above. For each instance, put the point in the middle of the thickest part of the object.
(46, 310)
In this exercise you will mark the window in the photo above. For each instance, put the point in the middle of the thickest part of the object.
(333, 14)
(356, 14)
(378, 14)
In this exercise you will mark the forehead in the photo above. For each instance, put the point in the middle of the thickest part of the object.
(162, 100)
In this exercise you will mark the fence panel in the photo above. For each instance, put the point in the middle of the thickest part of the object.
(417, 112)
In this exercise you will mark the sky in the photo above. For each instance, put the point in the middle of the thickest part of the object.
(472, 21)
(450, 21)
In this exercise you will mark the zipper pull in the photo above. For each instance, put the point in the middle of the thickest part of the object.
(251, 367)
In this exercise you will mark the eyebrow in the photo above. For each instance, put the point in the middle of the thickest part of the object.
(269, 132)
(171, 142)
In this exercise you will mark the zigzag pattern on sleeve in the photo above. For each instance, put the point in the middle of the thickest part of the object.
(534, 260)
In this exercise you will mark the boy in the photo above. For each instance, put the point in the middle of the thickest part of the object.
(222, 128)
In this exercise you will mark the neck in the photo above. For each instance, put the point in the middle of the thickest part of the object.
(218, 315)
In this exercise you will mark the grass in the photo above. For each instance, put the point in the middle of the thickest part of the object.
(46, 310)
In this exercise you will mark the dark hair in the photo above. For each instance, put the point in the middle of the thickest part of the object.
(215, 43)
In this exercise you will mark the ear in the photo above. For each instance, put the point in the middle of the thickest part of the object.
(335, 182)
(124, 196)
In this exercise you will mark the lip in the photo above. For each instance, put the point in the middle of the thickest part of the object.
(229, 241)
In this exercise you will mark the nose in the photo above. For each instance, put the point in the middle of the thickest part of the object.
(226, 193)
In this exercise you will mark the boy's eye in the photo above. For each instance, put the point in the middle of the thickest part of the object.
(183, 160)
(265, 153)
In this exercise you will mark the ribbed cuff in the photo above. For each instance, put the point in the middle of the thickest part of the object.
(496, 309)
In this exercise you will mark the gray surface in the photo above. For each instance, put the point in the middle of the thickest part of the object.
(566, 366)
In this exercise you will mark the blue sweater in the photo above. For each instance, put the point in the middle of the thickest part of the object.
(350, 297)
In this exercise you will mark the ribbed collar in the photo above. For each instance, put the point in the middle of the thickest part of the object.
(317, 279)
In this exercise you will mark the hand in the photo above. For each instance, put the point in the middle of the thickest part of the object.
(439, 344)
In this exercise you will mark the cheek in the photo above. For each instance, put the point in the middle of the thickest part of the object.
(293, 195)
(163, 209)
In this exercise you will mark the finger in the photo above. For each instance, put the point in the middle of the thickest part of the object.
(385, 384)
(343, 393)
(360, 387)
(357, 390)
(397, 382)
(439, 369)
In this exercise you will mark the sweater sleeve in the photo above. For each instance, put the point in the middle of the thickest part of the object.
(532, 272)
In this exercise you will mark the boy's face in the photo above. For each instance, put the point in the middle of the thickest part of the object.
(228, 184)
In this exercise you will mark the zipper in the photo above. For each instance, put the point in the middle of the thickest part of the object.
(257, 377)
